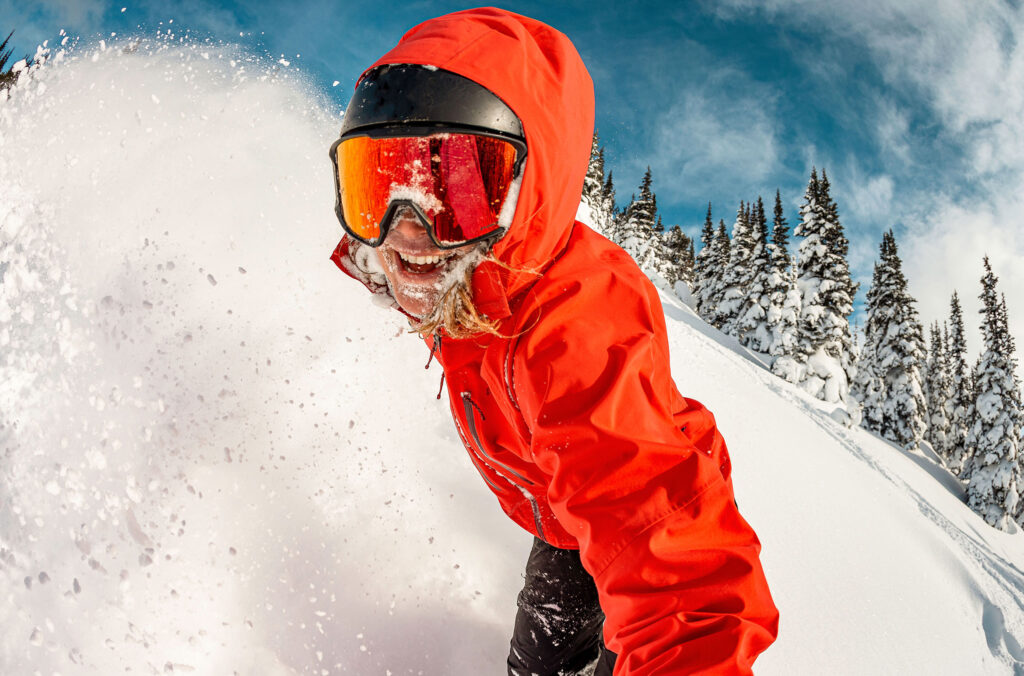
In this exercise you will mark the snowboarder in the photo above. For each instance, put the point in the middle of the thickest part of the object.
(458, 172)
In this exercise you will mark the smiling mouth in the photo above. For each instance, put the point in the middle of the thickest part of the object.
(422, 265)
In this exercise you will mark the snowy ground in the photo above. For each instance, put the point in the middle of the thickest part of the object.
(216, 457)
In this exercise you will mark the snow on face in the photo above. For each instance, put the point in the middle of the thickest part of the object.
(418, 287)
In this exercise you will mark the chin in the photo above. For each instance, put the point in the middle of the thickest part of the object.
(420, 308)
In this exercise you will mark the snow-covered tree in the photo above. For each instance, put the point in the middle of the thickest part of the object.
(938, 393)
(679, 251)
(823, 277)
(752, 325)
(783, 301)
(639, 231)
(609, 193)
(593, 182)
(8, 76)
(596, 191)
(888, 383)
(636, 222)
(959, 405)
(994, 436)
(703, 267)
(688, 259)
(716, 282)
(737, 275)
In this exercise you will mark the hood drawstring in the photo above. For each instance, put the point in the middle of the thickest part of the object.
(436, 345)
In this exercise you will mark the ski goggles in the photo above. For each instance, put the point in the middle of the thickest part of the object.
(461, 186)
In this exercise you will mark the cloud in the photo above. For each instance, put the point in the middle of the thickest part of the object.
(943, 251)
(709, 136)
(892, 130)
(863, 199)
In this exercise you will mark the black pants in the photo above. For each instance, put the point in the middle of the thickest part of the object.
(559, 622)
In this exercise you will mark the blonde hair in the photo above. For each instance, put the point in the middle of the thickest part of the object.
(455, 311)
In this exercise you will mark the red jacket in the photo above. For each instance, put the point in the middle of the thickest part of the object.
(573, 420)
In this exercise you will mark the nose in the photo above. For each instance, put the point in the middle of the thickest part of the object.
(408, 225)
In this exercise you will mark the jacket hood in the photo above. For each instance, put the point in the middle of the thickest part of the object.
(538, 73)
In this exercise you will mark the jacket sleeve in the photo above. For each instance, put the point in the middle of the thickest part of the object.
(675, 564)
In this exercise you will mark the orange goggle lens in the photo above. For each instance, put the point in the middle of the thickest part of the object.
(458, 181)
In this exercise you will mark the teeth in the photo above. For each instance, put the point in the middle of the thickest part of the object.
(421, 260)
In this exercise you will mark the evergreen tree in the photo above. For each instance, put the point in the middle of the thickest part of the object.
(594, 190)
(994, 436)
(827, 291)
(736, 277)
(752, 325)
(689, 261)
(780, 234)
(609, 192)
(7, 74)
(679, 251)
(938, 392)
(888, 383)
(644, 210)
(959, 405)
(716, 283)
(703, 271)
(593, 182)
(783, 301)
(613, 230)
(637, 231)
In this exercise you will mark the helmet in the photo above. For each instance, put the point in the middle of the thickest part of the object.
(414, 99)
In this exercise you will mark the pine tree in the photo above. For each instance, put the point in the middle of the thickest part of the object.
(638, 230)
(593, 182)
(612, 230)
(645, 208)
(784, 301)
(994, 436)
(716, 283)
(598, 193)
(679, 249)
(703, 267)
(689, 261)
(888, 383)
(938, 392)
(609, 191)
(752, 325)
(737, 275)
(958, 407)
(7, 75)
(827, 291)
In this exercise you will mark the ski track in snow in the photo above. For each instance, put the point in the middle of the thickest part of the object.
(216, 456)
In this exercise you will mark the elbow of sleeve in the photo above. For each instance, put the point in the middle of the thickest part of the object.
(688, 594)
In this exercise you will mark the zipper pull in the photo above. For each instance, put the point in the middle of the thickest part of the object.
(441, 386)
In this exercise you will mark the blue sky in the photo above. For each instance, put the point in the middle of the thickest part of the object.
(914, 107)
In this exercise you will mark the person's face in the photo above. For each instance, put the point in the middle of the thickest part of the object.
(415, 267)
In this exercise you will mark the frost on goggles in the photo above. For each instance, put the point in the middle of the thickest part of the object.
(457, 182)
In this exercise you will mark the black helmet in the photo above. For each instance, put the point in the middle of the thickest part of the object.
(409, 99)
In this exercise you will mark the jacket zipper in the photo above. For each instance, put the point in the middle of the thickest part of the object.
(468, 405)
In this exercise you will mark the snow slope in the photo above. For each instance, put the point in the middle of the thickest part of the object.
(217, 457)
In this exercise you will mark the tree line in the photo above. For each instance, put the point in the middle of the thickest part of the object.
(795, 309)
